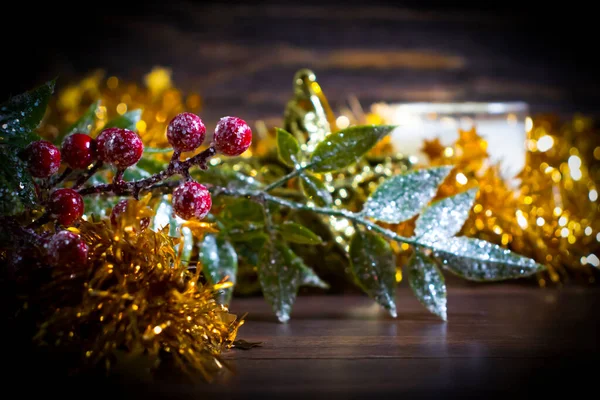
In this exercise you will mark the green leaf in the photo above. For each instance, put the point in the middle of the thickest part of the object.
(135, 173)
(296, 233)
(251, 249)
(21, 115)
(288, 147)
(345, 147)
(404, 196)
(445, 218)
(151, 165)
(17, 191)
(279, 279)
(219, 260)
(427, 282)
(128, 120)
(153, 150)
(83, 124)
(308, 277)
(373, 265)
(240, 209)
(224, 175)
(315, 189)
(244, 231)
(164, 216)
(99, 206)
(478, 260)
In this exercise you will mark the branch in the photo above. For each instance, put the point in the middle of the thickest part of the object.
(175, 167)
(297, 171)
(354, 217)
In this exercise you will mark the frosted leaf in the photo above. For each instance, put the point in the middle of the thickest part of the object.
(478, 260)
(279, 278)
(345, 147)
(427, 282)
(373, 265)
(315, 189)
(128, 120)
(446, 217)
(219, 259)
(404, 196)
(17, 192)
(21, 114)
(288, 148)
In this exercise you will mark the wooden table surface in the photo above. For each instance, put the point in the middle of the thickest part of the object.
(500, 340)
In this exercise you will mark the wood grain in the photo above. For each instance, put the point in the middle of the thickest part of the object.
(500, 340)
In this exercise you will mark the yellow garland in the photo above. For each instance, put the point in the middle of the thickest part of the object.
(137, 298)
(553, 216)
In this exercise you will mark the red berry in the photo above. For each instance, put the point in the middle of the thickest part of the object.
(191, 200)
(186, 132)
(66, 205)
(67, 248)
(79, 150)
(43, 158)
(120, 147)
(233, 136)
(119, 209)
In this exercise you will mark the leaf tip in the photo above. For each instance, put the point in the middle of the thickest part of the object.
(393, 312)
(283, 317)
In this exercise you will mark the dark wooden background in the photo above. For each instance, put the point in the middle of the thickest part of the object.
(241, 56)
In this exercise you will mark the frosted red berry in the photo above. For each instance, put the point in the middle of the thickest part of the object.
(67, 248)
(65, 205)
(43, 158)
(191, 200)
(120, 147)
(233, 136)
(119, 209)
(78, 150)
(186, 132)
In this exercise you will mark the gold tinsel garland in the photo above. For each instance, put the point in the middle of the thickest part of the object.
(553, 216)
(137, 299)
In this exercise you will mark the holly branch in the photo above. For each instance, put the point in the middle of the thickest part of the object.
(252, 225)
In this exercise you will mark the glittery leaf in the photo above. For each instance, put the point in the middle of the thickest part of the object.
(296, 233)
(17, 192)
(128, 120)
(315, 189)
(83, 125)
(279, 278)
(219, 260)
(445, 217)
(135, 172)
(243, 231)
(427, 283)
(404, 196)
(288, 147)
(478, 260)
(224, 175)
(309, 277)
(151, 165)
(21, 114)
(345, 147)
(373, 266)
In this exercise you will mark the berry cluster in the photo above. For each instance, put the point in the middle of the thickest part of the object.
(123, 148)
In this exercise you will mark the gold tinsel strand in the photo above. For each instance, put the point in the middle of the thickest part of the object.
(158, 99)
(136, 297)
(553, 216)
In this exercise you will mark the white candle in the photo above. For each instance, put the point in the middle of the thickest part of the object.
(502, 125)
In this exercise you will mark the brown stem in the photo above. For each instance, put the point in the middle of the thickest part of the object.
(175, 167)
(59, 179)
(87, 175)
